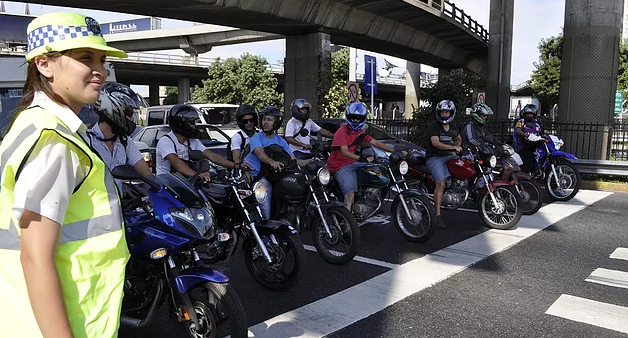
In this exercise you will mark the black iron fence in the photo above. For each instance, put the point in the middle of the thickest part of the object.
(585, 140)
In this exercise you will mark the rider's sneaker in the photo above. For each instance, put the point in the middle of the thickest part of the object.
(440, 223)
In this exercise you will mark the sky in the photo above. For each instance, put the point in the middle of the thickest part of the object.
(534, 20)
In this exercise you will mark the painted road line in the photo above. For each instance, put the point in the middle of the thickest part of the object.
(620, 253)
(326, 315)
(590, 312)
(618, 279)
(361, 259)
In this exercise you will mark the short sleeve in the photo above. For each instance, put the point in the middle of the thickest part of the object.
(236, 141)
(284, 145)
(133, 154)
(196, 144)
(519, 124)
(165, 147)
(313, 127)
(290, 128)
(368, 138)
(432, 130)
(255, 142)
(340, 138)
(48, 179)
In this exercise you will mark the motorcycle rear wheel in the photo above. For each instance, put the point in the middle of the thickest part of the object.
(217, 304)
(508, 212)
(329, 248)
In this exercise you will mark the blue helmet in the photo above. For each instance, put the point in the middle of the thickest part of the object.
(445, 105)
(356, 115)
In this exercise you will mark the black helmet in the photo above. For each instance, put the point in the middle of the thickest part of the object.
(182, 120)
(115, 103)
(243, 110)
(296, 106)
(271, 111)
(529, 109)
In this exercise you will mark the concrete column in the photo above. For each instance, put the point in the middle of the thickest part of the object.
(443, 72)
(307, 70)
(183, 85)
(153, 94)
(499, 57)
(413, 88)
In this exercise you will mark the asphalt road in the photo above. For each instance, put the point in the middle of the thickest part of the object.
(504, 293)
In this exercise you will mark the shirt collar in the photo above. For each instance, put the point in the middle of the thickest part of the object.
(96, 130)
(65, 114)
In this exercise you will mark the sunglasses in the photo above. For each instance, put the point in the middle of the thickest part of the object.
(247, 121)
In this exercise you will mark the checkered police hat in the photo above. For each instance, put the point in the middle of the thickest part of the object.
(61, 31)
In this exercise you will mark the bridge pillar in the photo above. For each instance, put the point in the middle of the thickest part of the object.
(413, 88)
(183, 85)
(499, 57)
(153, 94)
(307, 70)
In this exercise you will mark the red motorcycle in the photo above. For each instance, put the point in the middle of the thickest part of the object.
(497, 201)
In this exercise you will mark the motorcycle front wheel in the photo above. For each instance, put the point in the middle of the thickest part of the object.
(344, 242)
(569, 182)
(422, 226)
(287, 260)
(506, 213)
(219, 312)
(531, 196)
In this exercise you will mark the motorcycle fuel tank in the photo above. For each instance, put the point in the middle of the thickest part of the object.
(373, 176)
(461, 168)
(291, 185)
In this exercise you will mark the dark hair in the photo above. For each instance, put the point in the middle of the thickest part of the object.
(37, 82)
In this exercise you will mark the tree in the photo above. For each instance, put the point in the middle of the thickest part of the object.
(172, 95)
(545, 80)
(335, 100)
(237, 81)
(622, 73)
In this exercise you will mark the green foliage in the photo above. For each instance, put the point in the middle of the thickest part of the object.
(335, 100)
(622, 73)
(238, 81)
(545, 80)
(172, 96)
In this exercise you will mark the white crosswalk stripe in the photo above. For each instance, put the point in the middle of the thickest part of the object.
(620, 253)
(591, 312)
(608, 277)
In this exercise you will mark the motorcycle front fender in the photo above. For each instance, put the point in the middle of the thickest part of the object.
(493, 184)
(566, 155)
(195, 275)
(406, 193)
(521, 176)
(270, 226)
(327, 205)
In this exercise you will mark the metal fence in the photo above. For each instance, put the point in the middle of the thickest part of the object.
(585, 140)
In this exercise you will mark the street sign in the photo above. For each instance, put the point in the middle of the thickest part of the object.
(370, 74)
(619, 99)
(354, 91)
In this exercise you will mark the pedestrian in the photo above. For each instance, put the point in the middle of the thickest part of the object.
(62, 243)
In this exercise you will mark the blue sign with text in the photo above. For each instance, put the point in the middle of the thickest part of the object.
(370, 75)
(143, 24)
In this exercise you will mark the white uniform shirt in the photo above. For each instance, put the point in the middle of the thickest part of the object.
(53, 170)
(166, 146)
(294, 126)
(236, 142)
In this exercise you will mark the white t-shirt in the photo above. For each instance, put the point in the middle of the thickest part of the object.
(294, 126)
(166, 146)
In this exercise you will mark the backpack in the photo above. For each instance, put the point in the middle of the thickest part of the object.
(244, 151)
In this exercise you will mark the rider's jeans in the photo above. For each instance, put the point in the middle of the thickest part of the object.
(347, 177)
(269, 194)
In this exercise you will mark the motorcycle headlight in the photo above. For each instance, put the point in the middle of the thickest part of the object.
(197, 221)
(403, 167)
(493, 161)
(259, 190)
(324, 176)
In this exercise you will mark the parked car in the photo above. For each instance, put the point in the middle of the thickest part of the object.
(216, 114)
(373, 130)
(211, 136)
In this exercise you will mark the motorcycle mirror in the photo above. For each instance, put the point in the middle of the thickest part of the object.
(127, 172)
(196, 155)
(304, 132)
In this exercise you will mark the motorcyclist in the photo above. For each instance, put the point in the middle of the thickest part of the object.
(173, 148)
(270, 119)
(475, 132)
(445, 142)
(116, 107)
(300, 124)
(343, 162)
(239, 148)
(524, 127)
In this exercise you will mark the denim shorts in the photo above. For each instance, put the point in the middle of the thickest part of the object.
(437, 166)
(347, 177)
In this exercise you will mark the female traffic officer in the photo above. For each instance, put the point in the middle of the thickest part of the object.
(62, 244)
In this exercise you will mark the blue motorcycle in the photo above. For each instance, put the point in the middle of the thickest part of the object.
(554, 167)
(162, 231)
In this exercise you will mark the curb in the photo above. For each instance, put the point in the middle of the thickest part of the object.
(605, 186)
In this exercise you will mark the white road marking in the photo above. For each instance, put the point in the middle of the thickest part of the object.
(608, 277)
(620, 253)
(348, 306)
(590, 312)
(362, 259)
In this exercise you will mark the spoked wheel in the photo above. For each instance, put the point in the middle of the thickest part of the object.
(531, 196)
(219, 312)
(569, 182)
(505, 213)
(344, 242)
(423, 223)
(287, 260)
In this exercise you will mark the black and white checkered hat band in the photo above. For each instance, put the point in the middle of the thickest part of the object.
(49, 34)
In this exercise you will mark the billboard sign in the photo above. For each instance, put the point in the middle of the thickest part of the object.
(135, 25)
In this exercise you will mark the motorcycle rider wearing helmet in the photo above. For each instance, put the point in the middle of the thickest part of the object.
(299, 124)
(173, 149)
(246, 117)
(445, 142)
(116, 108)
(475, 132)
(527, 125)
(343, 162)
(270, 119)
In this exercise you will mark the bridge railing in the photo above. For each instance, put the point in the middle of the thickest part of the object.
(463, 18)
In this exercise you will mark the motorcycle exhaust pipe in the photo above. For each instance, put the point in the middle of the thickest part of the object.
(140, 323)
